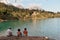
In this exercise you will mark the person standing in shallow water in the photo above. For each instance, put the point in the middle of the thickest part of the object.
(19, 34)
(25, 32)
(9, 32)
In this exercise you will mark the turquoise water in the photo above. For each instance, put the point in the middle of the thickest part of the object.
(46, 27)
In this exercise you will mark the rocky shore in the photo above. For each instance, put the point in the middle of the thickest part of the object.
(1, 20)
(24, 38)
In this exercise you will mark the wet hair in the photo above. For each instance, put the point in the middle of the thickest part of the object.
(25, 28)
(9, 28)
(18, 29)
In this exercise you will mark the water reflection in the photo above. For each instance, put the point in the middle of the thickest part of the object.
(34, 22)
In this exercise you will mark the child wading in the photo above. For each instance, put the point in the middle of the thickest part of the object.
(19, 34)
(25, 32)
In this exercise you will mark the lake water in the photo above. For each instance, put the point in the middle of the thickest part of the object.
(46, 27)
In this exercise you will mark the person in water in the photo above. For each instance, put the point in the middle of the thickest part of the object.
(9, 32)
(19, 34)
(25, 32)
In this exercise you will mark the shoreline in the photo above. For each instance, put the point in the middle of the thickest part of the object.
(24, 38)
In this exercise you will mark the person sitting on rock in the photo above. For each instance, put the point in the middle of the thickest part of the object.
(25, 32)
(19, 34)
(9, 32)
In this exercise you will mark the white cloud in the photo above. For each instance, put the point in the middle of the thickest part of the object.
(17, 0)
(3, 1)
(19, 6)
(18, 3)
(10, 1)
(34, 6)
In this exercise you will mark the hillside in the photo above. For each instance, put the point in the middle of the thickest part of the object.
(10, 12)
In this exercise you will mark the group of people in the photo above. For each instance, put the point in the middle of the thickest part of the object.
(19, 33)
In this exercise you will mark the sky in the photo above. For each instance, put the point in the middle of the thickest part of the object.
(48, 5)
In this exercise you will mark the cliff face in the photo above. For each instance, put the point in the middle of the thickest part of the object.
(9, 12)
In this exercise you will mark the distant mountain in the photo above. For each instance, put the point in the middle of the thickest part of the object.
(10, 7)
(6, 10)
(10, 12)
